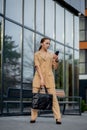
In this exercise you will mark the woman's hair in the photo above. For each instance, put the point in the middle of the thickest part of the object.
(42, 40)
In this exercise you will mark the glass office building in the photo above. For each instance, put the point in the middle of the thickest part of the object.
(83, 56)
(22, 25)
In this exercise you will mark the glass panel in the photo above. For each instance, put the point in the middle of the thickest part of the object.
(49, 18)
(0, 61)
(82, 23)
(39, 15)
(0, 6)
(83, 61)
(82, 36)
(76, 73)
(82, 68)
(59, 23)
(52, 46)
(86, 4)
(68, 71)
(86, 36)
(85, 55)
(28, 56)
(76, 35)
(60, 48)
(86, 68)
(28, 67)
(69, 28)
(38, 39)
(29, 13)
(59, 71)
(14, 9)
(86, 23)
(82, 56)
(12, 66)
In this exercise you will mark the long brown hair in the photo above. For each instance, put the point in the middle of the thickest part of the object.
(42, 40)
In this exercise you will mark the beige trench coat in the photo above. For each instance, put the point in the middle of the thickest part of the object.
(46, 65)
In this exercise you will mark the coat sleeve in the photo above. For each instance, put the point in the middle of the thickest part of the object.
(54, 65)
(36, 60)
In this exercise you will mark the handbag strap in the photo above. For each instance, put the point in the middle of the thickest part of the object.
(44, 88)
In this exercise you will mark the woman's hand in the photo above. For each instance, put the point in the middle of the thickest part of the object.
(42, 82)
(55, 57)
(55, 61)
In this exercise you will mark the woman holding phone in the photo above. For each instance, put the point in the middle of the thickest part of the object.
(45, 62)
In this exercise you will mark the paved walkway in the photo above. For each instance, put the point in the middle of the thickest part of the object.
(44, 123)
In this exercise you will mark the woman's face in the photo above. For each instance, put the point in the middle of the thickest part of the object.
(45, 44)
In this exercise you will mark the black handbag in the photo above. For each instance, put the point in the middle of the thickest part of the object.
(42, 101)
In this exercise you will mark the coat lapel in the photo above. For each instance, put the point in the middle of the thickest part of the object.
(44, 58)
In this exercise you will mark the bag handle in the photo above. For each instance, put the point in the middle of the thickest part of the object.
(45, 89)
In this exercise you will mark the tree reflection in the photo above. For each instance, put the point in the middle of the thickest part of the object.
(59, 75)
(11, 60)
(28, 58)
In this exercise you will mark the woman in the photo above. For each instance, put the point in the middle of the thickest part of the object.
(44, 63)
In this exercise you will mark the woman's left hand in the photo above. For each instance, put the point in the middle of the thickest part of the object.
(55, 57)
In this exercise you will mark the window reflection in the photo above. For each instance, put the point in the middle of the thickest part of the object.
(14, 9)
(39, 15)
(12, 59)
(12, 63)
(82, 68)
(38, 39)
(0, 60)
(83, 29)
(69, 29)
(60, 48)
(49, 19)
(86, 36)
(86, 4)
(28, 56)
(59, 71)
(0, 6)
(82, 35)
(82, 56)
(83, 62)
(59, 24)
(29, 13)
(68, 71)
(76, 73)
(76, 35)
(82, 23)
(52, 46)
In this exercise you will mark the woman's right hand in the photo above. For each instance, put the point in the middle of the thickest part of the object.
(42, 82)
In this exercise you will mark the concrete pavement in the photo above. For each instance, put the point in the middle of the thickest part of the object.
(69, 122)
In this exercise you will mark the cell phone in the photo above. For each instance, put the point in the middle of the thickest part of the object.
(57, 52)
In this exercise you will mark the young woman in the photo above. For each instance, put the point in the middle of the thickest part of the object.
(44, 64)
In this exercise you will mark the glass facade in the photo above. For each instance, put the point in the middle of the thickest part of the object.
(83, 62)
(86, 4)
(59, 23)
(83, 28)
(14, 10)
(29, 13)
(0, 62)
(83, 52)
(22, 25)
